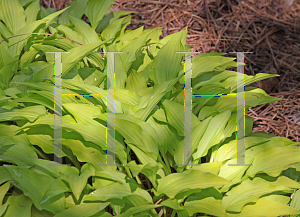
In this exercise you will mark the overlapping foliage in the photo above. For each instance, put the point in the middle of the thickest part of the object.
(149, 122)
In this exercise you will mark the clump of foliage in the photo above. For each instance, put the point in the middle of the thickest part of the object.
(149, 123)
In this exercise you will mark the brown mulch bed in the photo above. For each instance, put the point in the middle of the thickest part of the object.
(269, 28)
(279, 117)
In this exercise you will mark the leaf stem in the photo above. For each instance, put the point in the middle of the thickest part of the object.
(173, 213)
(128, 172)
(139, 182)
(165, 168)
(167, 162)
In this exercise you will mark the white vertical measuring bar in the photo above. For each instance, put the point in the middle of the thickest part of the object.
(240, 111)
(188, 110)
(188, 144)
(57, 108)
(111, 110)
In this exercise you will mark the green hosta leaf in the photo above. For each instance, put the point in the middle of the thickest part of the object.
(32, 11)
(112, 30)
(279, 198)
(8, 71)
(34, 185)
(213, 134)
(5, 57)
(45, 12)
(137, 132)
(110, 18)
(78, 8)
(175, 116)
(39, 65)
(19, 154)
(40, 85)
(46, 120)
(137, 200)
(3, 190)
(97, 60)
(127, 97)
(168, 139)
(135, 82)
(5, 32)
(5, 175)
(76, 54)
(54, 198)
(12, 14)
(83, 210)
(61, 43)
(265, 208)
(86, 88)
(47, 48)
(20, 78)
(274, 142)
(96, 10)
(16, 44)
(172, 203)
(141, 155)
(119, 68)
(228, 150)
(88, 154)
(296, 200)
(198, 132)
(142, 63)
(19, 206)
(130, 36)
(149, 170)
(115, 190)
(89, 132)
(55, 188)
(167, 63)
(69, 33)
(215, 78)
(11, 92)
(30, 113)
(250, 191)
(45, 73)
(211, 167)
(274, 160)
(173, 184)
(134, 210)
(85, 72)
(28, 57)
(251, 79)
(37, 99)
(233, 173)
(64, 17)
(149, 101)
(257, 97)
(78, 182)
(50, 168)
(208, 64)
(37, 213)
(83, 113)
(207, 205)
(115, 176)
(125, 23)
(131, 51)
(89, 35)
(3, 208)
(205, 193)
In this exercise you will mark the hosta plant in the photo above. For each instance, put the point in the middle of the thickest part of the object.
(149, 123)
